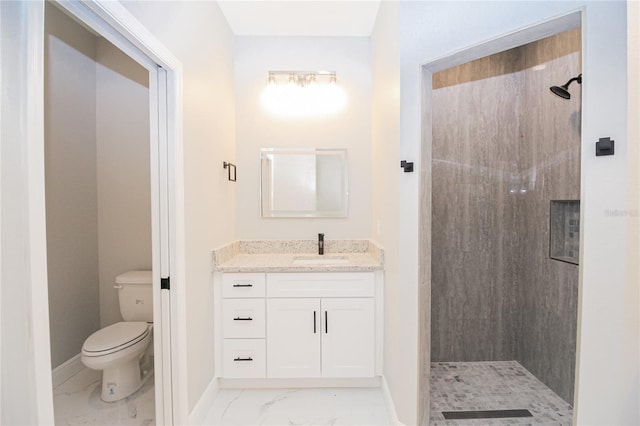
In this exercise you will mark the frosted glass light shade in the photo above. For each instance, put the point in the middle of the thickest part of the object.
(313, 100)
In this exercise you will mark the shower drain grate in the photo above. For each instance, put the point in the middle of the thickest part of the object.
(485, 414)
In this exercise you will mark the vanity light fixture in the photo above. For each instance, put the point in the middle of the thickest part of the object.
(303, 93)
(302, 78)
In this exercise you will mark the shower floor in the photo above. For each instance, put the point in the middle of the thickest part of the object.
(494, 385)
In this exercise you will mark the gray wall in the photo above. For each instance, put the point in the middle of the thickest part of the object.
(123, 172)
(475, 165)
(503, 146)
(71, 186)
(551, 169)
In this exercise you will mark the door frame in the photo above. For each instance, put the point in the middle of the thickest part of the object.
(113, 22)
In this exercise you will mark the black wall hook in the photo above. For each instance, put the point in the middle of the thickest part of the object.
(605, 146)
(231, 171)
(408, 167)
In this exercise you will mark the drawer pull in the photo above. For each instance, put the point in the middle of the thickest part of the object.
(243, 285)
(326, 323)
(314, 322)
(243, 319)
(242, 359)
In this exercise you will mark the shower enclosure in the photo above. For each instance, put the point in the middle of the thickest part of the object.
(504, 147)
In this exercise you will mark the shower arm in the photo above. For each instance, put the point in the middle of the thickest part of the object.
(578, 79)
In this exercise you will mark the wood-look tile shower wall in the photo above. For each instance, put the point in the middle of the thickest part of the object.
(503, 147)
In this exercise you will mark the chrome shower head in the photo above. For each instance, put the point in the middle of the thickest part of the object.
(563, 91)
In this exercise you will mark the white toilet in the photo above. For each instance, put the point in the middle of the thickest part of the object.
(123, 350)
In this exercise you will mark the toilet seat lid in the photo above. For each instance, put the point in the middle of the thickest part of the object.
(116, 336)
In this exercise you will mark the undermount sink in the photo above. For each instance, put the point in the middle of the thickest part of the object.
(320, 260)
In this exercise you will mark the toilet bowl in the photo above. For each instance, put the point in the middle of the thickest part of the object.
(123, 351)
(117, 350)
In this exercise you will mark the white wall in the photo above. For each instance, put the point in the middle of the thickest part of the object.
(71, 187)
(257, 128)
(25, 353)
(123, 171)
(399, 366)
(631, 315)
(199, 36)
(430, 30)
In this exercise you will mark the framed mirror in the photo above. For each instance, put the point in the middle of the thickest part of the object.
(304, 182)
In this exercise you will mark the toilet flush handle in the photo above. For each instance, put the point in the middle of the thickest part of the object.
(118, 287)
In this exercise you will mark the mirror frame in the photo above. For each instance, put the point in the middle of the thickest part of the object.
(265, 212)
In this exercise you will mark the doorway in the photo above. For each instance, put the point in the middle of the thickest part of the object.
(98, 206)
(112, 22)
(497, 159)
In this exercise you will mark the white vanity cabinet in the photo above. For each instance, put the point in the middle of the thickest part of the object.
(309, 324)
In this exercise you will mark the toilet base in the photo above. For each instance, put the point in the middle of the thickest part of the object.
(121, 382)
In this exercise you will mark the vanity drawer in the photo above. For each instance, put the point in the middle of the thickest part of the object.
(329, 284)
(244, 358)
(243, 285)
(243, 318)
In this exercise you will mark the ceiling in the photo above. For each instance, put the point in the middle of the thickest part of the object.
(328, 18)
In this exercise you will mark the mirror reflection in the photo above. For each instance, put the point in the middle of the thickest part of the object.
(304, 182)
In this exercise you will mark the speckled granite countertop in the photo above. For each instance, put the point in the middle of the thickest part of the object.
(279, 256)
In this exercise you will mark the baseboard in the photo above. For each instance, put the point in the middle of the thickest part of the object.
(64, 371)
(300, 383)
(199, 412)
(391, 408)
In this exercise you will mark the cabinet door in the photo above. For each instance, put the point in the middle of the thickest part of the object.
(293, 338)
(348, 340)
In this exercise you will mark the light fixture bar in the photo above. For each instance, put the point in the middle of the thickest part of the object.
(288, 73)
(301, 78)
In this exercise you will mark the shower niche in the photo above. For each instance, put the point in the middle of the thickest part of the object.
(564, 232)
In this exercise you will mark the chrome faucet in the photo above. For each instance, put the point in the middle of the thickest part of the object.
(320, 243)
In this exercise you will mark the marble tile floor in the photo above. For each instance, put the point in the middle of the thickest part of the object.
(495, 385)
(326, 406)
(77, 402)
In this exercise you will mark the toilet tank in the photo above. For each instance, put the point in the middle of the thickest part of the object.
(135, 295)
